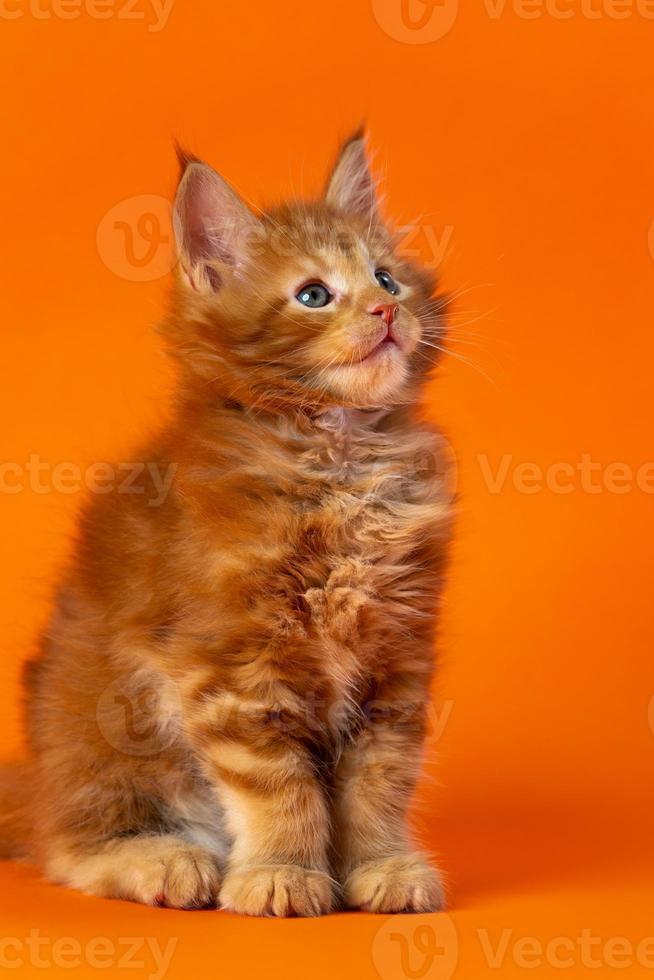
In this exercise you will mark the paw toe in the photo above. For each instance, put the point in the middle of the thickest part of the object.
(279, 890)
(397, 884)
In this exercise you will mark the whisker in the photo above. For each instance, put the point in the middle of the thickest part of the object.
(459, 357)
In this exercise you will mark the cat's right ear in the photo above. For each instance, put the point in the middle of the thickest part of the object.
(212, 225)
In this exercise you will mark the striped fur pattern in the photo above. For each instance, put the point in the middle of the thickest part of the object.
(229, 703)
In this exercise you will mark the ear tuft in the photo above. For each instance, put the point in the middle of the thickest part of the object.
(212, 224)
(352, 187)
(184, 158)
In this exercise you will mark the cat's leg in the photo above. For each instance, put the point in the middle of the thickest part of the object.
(148, 868)
(107, 826)
(374, 780)
(275, 809)
(110, 770)
(105, 820)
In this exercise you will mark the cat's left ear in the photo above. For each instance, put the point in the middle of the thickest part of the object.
(352, 186)
(212, 225)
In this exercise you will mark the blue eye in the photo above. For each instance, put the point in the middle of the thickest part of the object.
(314, 295)
(387, 282)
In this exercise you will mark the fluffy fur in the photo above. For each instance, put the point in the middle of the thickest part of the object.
(229, 702)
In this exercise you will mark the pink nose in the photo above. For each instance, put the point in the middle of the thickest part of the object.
(387, 311)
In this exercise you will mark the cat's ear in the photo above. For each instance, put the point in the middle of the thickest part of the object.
(352, 186)
(212, 224)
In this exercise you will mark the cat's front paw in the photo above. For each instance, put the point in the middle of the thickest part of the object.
(277, 889)
(404, 883)
(153, 870)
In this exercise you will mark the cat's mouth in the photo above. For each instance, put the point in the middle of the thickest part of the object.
(380, 348)
(386, 344)
(377, 365)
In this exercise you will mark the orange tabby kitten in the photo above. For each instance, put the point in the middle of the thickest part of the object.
(229, 703)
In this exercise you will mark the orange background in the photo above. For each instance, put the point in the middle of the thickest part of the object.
(526, 144)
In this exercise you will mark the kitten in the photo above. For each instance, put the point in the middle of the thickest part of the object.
(229, 702)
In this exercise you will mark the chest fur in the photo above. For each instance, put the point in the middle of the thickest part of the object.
(377, 526)
(326, 553)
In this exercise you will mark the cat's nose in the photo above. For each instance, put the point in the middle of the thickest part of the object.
(387, 311)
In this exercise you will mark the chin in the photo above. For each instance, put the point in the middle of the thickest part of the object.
(373, 383)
